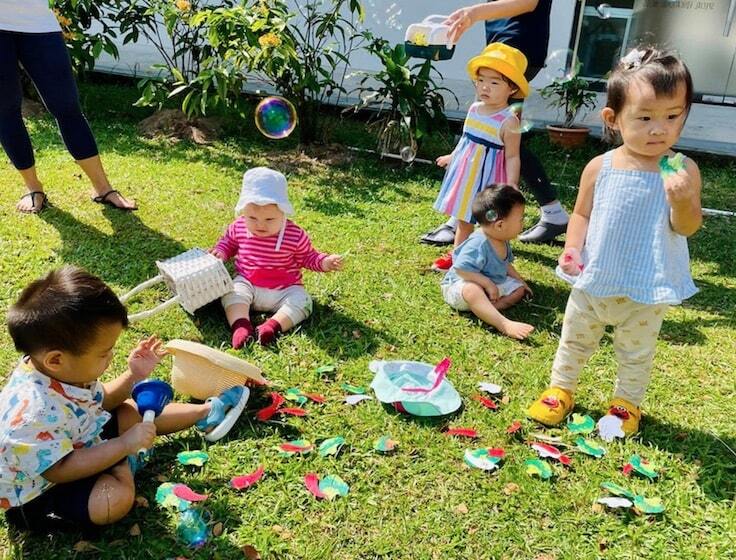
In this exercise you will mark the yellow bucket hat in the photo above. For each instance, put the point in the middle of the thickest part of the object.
(504, 59)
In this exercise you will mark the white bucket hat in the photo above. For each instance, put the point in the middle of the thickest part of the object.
(262, 186)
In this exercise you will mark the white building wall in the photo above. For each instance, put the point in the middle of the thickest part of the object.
(388, 19)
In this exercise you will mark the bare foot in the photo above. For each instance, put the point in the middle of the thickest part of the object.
(32, 202)
(514, 329)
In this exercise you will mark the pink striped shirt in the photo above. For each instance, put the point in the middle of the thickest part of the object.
(257, 260)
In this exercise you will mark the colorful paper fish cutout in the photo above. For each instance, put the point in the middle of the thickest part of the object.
(385, 444)
(247, 480)
(331, 446)
(196, 458)
(537, 467)
(579, 424)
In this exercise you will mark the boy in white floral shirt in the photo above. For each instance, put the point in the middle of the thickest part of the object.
(65, 437)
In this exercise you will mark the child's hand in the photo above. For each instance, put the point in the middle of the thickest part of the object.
(679, 188)
(528, 293)
(571, 262)
(492, 291)
(145, 357)
(332, 263)
(217, 253)
(444, 161)
(139, 436)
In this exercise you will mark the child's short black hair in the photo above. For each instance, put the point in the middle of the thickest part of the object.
(663, 70)
(63, 311)
(496, 200)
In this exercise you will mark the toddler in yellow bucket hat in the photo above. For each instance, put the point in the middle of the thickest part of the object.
(488, 151)
(507, 61)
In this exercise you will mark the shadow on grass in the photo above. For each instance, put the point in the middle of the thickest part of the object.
(338, 334)
(717, 464)
(126, 257)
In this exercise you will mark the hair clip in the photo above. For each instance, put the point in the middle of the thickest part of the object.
(633, 59)
(491, 216)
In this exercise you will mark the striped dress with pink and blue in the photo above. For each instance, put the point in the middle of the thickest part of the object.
(478, 161)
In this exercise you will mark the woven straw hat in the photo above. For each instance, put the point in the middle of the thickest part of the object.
(201, 372)
(505, 60)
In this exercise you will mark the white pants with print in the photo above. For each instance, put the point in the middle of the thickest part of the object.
(294, 301)
(636, 328)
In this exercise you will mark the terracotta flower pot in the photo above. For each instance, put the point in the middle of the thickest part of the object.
(567, 137)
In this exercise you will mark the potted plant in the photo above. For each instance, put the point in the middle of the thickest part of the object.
(569, 96)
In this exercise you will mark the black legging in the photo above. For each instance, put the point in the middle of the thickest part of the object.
(45, 58)
(532, 171)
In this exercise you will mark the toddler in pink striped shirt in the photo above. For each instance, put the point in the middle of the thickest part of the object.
(270, 252)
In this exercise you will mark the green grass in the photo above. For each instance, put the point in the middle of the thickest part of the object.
(421, 502)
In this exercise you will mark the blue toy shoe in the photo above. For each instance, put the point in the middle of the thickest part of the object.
(225, 411)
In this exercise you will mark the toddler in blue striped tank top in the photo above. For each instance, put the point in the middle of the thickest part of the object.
(632, 217)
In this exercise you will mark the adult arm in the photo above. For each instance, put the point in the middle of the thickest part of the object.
(463, 19)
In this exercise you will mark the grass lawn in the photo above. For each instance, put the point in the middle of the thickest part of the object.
(422, 501)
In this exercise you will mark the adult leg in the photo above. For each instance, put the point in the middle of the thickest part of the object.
(13, 133)
(45, 58)
(553, 221)
(481, 306)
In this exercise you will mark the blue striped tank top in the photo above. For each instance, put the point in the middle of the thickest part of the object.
(631, 247)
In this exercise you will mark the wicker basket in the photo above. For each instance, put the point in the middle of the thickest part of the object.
(196, 277)
(200, 371)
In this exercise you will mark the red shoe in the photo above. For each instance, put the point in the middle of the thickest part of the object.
(443, 263)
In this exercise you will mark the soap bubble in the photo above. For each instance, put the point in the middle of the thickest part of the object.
(275, 117)
(408, 153)
(524, 125)
(604, 11)
(560, 66)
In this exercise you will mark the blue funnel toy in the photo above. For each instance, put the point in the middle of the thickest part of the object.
(151, 397)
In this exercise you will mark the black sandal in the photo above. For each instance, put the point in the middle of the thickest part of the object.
(35, 208)
(104, 199)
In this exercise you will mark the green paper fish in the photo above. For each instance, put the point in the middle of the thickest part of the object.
(332, 486)
(644, 468)
(617, 490)
(579, 424)
(295, 395)
(196, 458)
(331, 446)
(328, 369)
(589, 447)
(385, 444)
(537, 467)
(671, 165)
(483, 458)
(354, 389)
(648, 505)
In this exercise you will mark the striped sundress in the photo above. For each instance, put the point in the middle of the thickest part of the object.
(477, 162)
(632, 249)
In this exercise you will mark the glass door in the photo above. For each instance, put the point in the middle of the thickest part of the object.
(702, 31)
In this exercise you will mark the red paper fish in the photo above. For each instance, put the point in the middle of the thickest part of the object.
(627, 469)
(496, 452)
(485, 401)
(268, 412)
(311, 481)
(185, 493)
(514, 427)
(291, 448)
(315, 397)
(292, 411)
(546, 450)
(464, 432)
(247, 480)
